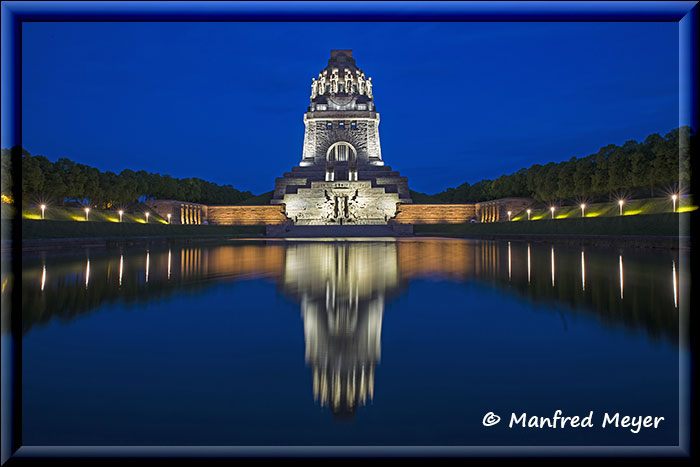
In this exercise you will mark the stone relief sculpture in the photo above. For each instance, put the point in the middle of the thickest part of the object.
(361, 83)
(369, 87)
(321, 84)
(334, 81)
(348, 81)
(314, 88)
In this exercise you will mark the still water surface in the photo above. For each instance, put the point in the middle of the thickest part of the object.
(406, 342)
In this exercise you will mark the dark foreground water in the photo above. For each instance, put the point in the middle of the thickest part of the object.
(407, 342)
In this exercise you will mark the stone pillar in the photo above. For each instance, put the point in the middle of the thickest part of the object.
(199, 215)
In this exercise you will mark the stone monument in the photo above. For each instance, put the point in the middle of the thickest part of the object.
(341, 179)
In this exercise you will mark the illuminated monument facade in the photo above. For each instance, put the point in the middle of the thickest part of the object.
(341, 178)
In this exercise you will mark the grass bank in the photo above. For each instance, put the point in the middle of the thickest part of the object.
(666, 224)
(51, 229)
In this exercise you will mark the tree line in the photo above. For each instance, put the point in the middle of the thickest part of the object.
(636, 168)
(66, 182)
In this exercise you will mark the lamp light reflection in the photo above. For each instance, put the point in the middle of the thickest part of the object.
(621, 279)
(87, 274)
(148, 261)
(675, 286)
(583, 272)
(121, 268)
(43, 278)
(169, 257)
(508, 260)
(552, 266)
(528, 263)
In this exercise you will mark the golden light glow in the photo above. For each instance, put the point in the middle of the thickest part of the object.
(6, 199)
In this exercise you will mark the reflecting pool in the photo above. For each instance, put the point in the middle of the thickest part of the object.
(372, 343)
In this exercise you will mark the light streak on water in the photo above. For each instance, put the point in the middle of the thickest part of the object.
(169, 260)
(552, 266)
(622, 284)
(675, 286)
(528, 264)
(508, 260)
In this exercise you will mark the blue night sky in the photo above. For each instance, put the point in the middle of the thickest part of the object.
(458, 101)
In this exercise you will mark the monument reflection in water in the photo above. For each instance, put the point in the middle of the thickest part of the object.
(343, 289)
